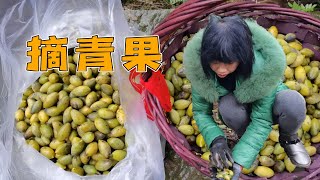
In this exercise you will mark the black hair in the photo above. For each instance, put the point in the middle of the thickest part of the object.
(227, 40)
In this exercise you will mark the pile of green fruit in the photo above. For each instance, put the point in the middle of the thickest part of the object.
(75, 119)
(301, 75)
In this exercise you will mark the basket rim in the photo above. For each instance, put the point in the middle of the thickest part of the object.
(170, 22)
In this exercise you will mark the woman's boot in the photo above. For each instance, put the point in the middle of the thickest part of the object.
(290, 109)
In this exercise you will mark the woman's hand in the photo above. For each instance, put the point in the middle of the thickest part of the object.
(220, 154)
(236, 171)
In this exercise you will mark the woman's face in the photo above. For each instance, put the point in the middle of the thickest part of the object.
(223, 69)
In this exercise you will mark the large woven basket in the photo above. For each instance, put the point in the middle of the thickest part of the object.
(188, 18)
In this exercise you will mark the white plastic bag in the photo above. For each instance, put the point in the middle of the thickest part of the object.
(72, 19)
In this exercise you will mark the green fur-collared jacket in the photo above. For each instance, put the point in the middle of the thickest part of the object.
(259, 90)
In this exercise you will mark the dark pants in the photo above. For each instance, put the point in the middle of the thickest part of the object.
(289, 111)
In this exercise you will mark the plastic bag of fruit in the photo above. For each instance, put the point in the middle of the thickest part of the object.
(95, 132)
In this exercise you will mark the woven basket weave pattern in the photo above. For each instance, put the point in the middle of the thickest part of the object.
(187, 19)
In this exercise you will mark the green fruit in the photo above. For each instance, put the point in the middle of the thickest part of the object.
(76, 103)
(175, 64)
(185, 120)
(64, 132)
(311, 150)
(200, 141)
(300, 74)
(91, 149)
(88, 126)
(289, 166)
(291, 57)
(177, 82)
(313, 99)
(56, 87)
(106, 113)
(88, 137)
(19, 115)
(289, 73)
(36, 86)
(46, 131)
(35, 128)
(63, 103)
(81, 91)
(98, 105)
(278, 149)
(78, 170)
(307, 52)
(98, 156)
(186, 130)
(266, 161)
(77, 148)
(268, 150)
(102, 79)
(37, 106)
(51, 100)
(116, 143)
(77, 117)
(274, 135)
(67, 115)
(182, 95)
(103, 165)
(117, 132)
(107, 89)
(279, 166)
(87, 74)
(118, 155)
(293, 85)
(75, 80)
(53, 111)
(290, 37)
(44, 88)
(274, 31)
(34, 144)
(296, 45)
(313, 73)
(47, 152)
(262, 171)
(116, 97)
(85, 110)
(180, 71)
(314, 127)
(54, 144)
(90, 169)
(311, 109)
(169, 73)
(174, 116)
(170, 87)
(181, 104)
(104, 148)
(65, 160)
(90, 82)
(314, 64)
(91, 98)
(112, 123)
(43, 80)
(299, 60)
(179, 56)
(101, 125)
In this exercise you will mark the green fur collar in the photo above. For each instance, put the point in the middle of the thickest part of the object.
(267, 72)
